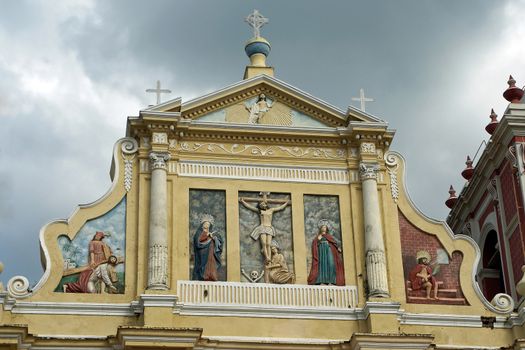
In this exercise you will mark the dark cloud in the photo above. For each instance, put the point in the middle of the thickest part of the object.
(413, 57)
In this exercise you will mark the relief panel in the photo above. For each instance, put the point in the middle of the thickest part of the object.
(431, 275)
(322, 225)
(265, 231)
(94, 259)
(207, 235)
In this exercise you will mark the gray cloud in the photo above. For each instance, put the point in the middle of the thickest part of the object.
(69, 75)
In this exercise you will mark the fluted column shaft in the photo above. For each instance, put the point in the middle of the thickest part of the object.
(374, 245)
(158, 223)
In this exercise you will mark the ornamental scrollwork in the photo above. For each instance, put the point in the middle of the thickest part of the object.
(298, 152)
(512, 156)
(368, 147)
(392, 165)
(160, 138)
(503, 303)
(129, 148)
(315, 152)
(18, 287)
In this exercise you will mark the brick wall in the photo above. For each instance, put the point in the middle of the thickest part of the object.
(508, 180)
(516, 253)
(414, 239)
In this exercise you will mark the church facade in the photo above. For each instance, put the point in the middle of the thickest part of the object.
(257, 217)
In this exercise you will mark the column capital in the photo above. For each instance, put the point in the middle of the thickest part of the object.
(158, 160)
(368, 171)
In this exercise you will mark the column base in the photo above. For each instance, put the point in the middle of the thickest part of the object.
(378, 294)
(157, 287)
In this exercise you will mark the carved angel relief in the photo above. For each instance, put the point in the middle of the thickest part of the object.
(260, 110)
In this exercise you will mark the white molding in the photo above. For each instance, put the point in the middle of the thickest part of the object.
(306, 341)
(377, 307)
(266, 172)
(156, 300)
(158, 339)
(56, 308)
(272, 81)
(327, 130)
(171, 103)
(363, 345)
(516, 319)
(446, 320)
(33, 347)
(255, 311)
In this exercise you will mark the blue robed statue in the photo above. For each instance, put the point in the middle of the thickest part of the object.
(207, 248)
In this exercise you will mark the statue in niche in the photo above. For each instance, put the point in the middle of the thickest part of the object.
(257, 109)
(265, 232)
(207, 246)
(327, 264)
(422, 276)
(277, 270)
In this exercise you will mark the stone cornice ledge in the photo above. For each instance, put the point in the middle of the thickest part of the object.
(77, 308)
(155, 300)
(56, 308)
(380, 307)
(256, 311)
(470, 321)
(515, 319)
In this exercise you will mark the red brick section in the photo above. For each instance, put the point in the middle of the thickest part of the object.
(414, 239)
(508, 180)
(516, 253)
(521, 214)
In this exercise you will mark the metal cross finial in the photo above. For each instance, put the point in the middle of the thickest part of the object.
(159, 91)
(362, 99)
(256, 21)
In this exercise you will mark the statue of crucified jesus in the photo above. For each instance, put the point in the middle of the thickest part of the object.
(265, 231)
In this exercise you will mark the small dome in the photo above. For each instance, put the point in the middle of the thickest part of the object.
(257, 45)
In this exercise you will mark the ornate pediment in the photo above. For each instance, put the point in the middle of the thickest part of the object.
(263, 110)
(265, 100)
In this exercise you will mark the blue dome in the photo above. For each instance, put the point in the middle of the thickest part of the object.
(257, 47)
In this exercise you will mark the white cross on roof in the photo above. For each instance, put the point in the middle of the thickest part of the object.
(159, 91)
(362, 99)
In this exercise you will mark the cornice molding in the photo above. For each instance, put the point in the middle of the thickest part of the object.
(268, 85)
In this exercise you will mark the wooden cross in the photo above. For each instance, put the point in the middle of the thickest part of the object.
(362, 99)
(159, 91)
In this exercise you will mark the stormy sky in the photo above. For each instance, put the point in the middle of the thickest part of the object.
(72, 71)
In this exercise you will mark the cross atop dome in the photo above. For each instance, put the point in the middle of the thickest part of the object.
(256, 21)
(257, 48)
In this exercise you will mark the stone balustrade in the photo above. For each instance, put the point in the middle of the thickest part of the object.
(263, 294)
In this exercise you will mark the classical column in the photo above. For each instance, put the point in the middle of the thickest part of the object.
(374, 246)
(158, 223)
